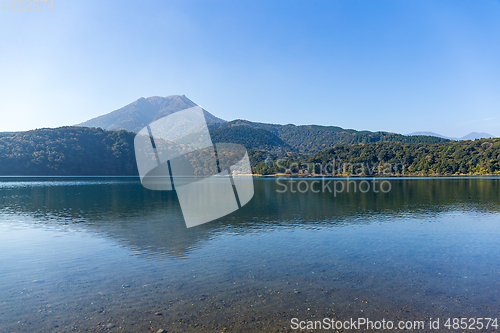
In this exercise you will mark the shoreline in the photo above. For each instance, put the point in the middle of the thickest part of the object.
(256, 175)
(375, 176)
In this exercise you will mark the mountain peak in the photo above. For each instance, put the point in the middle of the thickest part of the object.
(134, 116)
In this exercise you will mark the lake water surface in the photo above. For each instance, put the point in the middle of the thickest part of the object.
(105, 254)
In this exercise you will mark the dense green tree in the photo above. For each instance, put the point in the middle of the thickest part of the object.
(450, 158)
(68, 151)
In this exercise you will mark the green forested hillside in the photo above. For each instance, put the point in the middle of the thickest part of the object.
(251, 138)
(87, 151)
(91, 151)
(451, 158)
(68, 151)
(309, 139)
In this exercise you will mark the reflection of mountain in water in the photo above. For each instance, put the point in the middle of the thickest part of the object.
(150, 222)
(143, 220)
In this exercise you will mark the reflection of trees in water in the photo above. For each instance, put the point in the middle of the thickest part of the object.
(148, 222)
(151, 222)
(406, 196)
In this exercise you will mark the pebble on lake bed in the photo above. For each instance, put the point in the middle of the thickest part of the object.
(161, 330)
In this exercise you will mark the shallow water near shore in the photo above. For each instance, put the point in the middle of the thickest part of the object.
(105, 254)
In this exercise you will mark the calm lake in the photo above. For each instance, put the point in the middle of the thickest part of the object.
(105, 254)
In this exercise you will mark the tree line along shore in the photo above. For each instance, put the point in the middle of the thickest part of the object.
(81, 151)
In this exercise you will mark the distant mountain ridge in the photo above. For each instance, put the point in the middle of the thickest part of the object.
(105, 145)
(470, 136)
(307, 139)
(302, 139)
(476, 135)
(134, 116)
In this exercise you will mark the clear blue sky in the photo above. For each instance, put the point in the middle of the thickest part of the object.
(400, 66)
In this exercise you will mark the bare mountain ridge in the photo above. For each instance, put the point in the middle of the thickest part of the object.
(134, 116)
